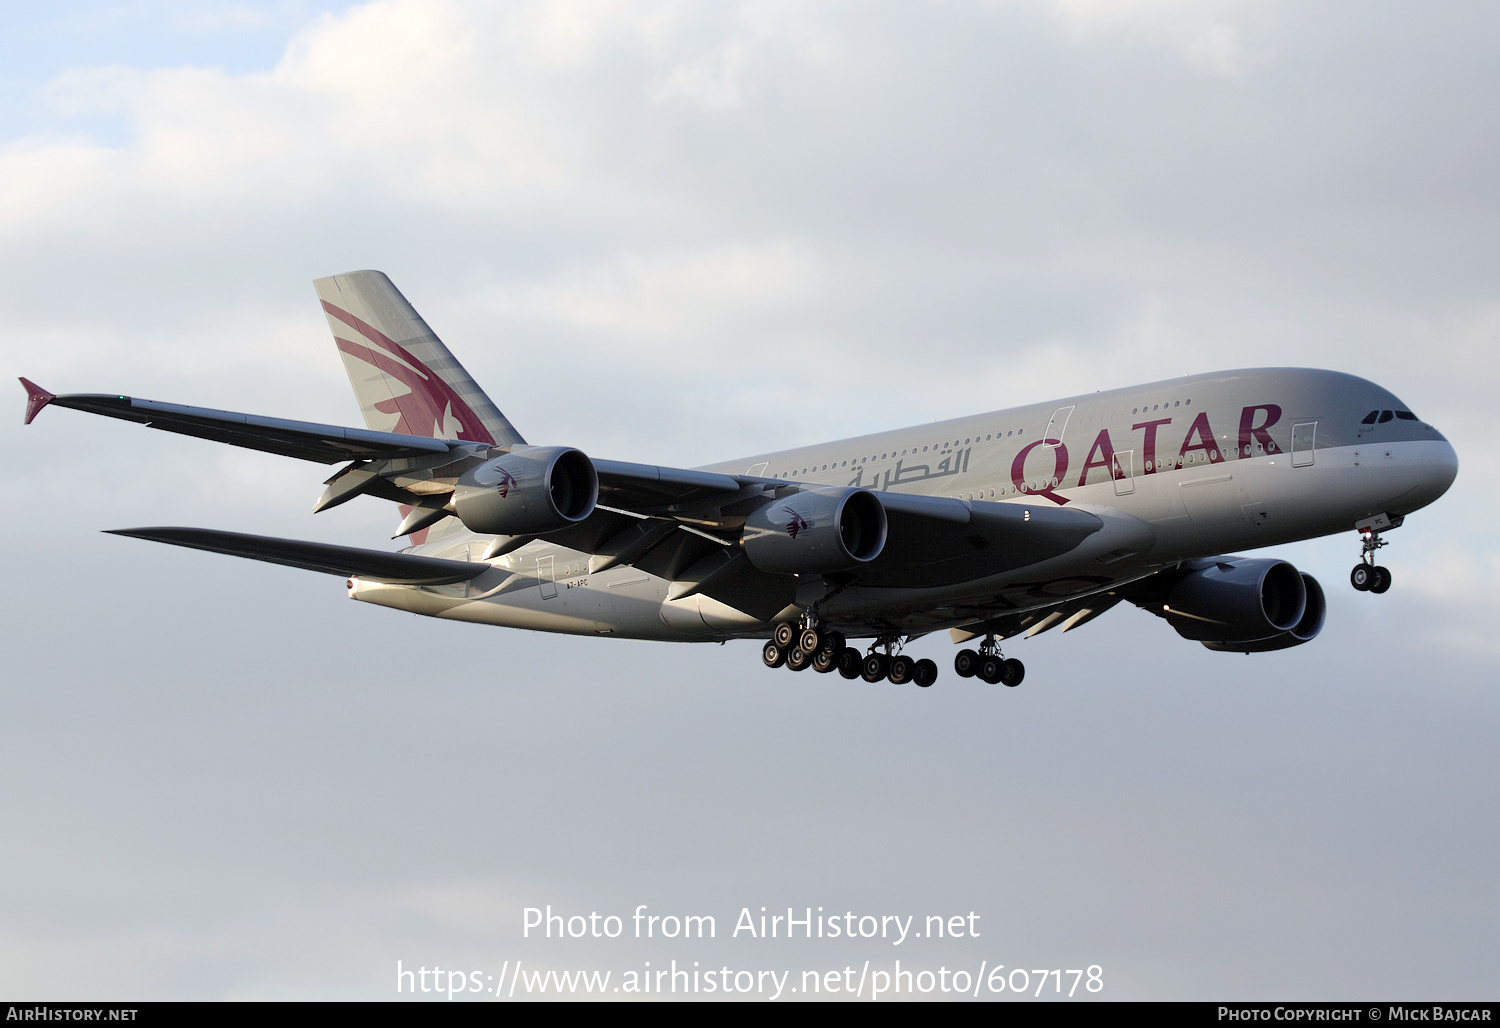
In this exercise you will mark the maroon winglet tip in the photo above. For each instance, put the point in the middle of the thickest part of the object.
(36, 399)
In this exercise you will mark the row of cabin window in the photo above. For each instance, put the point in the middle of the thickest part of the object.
(1142, 409)
(893, 454)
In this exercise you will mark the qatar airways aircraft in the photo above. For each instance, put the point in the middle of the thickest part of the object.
(989, 526)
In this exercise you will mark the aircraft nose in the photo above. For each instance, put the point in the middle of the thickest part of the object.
(1432, 471)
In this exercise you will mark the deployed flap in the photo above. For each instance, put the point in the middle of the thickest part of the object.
(378, 565)
(406, 380)
(927, 544)
(307, 440)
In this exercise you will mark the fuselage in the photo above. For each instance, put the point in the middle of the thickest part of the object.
(1182, 468)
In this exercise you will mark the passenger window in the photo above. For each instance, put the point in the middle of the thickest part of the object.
(1369, 418)
(1385, 416)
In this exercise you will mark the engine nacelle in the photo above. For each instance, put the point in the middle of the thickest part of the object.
(1235, 600)
(528, 491)
(1305, 630)
(815, 531)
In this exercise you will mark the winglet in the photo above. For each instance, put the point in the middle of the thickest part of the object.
(36, 399)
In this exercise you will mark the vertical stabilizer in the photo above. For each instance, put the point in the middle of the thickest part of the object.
(404, 377)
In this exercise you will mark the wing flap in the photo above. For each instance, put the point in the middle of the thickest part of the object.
(378, 565)
(307, 440)
(928, 545)
(623, 484)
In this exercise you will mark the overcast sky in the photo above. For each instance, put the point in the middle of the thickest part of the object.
(679, 233)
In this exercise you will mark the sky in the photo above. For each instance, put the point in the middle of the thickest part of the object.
(678, 233)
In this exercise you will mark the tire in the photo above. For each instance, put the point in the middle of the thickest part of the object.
(1012, 672)
(1382, 581)
(875, 667)
(773, 655)
(834, 642)
(798, 659)
(825, 661)
(990, 668)
(851, 662)
(784, 635)
(966, 663)
(926, 673)
(1362, 577)
(901, 670)
(810, 639)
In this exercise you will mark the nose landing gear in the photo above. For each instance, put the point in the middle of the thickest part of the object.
(988, 664)
(1368, 576)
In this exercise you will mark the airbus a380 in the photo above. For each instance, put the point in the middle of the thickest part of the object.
(990, 526)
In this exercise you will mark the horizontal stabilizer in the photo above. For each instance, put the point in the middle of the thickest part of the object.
(377, 565)
(307, 440)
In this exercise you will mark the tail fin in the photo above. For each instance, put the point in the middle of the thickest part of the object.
(404, 377)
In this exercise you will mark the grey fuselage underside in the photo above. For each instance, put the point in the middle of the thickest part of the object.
(1164, 465)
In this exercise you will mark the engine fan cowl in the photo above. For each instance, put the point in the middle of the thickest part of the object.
(529, 491)
(1305, 630)
(815, 531)
(1235, 599)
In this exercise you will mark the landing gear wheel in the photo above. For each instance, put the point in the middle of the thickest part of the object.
(834, 643)
(773, 655)
(966, 663)
(875, 667)
(824, 661)
(1382, 580)
(1011, 672)
(850, 662)
(799, 659)
(810, 640)
(784, 635)
(926, 672)
(990, 668)
(1363, 576)
(902, 670)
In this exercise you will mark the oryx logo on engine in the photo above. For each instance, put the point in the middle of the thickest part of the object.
(797, 523)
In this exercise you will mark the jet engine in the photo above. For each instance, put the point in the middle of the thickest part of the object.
(815, 531)
(1305, 630)
(528, 491)
(1236, 600)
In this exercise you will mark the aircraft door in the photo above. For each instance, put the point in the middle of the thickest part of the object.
(1304, 436)
(1121, 466)
(545, 579)
(1056, 426)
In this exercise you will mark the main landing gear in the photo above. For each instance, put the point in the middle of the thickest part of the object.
(804, 646)
(988, 664)
(1368, 576)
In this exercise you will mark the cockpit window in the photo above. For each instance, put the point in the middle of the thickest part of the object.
(1369, 418)
(1406, 415)
(1385, 416)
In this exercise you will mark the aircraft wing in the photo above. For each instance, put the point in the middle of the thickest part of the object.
(379, 565)
(327, 444)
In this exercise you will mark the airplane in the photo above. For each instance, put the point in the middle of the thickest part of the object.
(992, 527)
